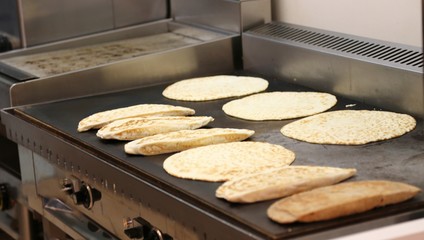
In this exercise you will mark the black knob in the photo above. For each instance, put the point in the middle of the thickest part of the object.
(4, 198)
(86, 196)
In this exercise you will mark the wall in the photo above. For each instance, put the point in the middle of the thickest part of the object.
(389, 20)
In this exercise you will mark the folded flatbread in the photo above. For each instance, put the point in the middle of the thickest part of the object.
(136, 128)
(214, 87)
(100, 119)
(339, 200)
(281, 182)
(185, 139)
(222, 162)
(279, 105)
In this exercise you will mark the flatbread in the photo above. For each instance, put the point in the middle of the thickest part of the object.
(339, 200)
(135, 128)
(279, 105)
(214, 87)
(185, 139)
(349, 127)
(100, 119)
(281, 182)
(222, 162)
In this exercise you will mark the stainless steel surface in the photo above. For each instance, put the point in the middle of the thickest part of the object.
(49, 20)
(234, 16)
(5, 85)
(69, 60)
(383, 74)
(59, 220)
(212, 56)
(131, 12)
(14, 73)
(107, 216)
(28, 188)
(97, 38)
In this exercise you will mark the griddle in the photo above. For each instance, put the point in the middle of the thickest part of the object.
(399, 159)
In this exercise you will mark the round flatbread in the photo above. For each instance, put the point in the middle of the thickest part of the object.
(221, 162)
(280, 182)
(349, 127)
(279, 105)
(214, 87)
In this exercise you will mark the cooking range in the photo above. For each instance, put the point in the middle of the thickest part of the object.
(134, 187)
(88, 188)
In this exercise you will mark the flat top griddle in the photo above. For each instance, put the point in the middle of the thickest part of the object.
(400, 159)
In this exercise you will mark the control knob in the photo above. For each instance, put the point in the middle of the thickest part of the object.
(143, 230)
(86, 196)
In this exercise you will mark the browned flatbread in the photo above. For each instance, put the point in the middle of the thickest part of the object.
(339, 200)
(185, 139)
(140, 127)
(280, 182)
(100, 119)
(221, 162)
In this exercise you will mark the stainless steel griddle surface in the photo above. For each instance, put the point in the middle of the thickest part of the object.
(400, 159)
(66, 60)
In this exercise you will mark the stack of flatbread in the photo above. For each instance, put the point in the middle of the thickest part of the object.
(157, 129)
(214, 87)
(339, 200)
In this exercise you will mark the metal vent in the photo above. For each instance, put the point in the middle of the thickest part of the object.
(404, 56)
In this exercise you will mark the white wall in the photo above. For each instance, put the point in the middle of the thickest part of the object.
(397, 21)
